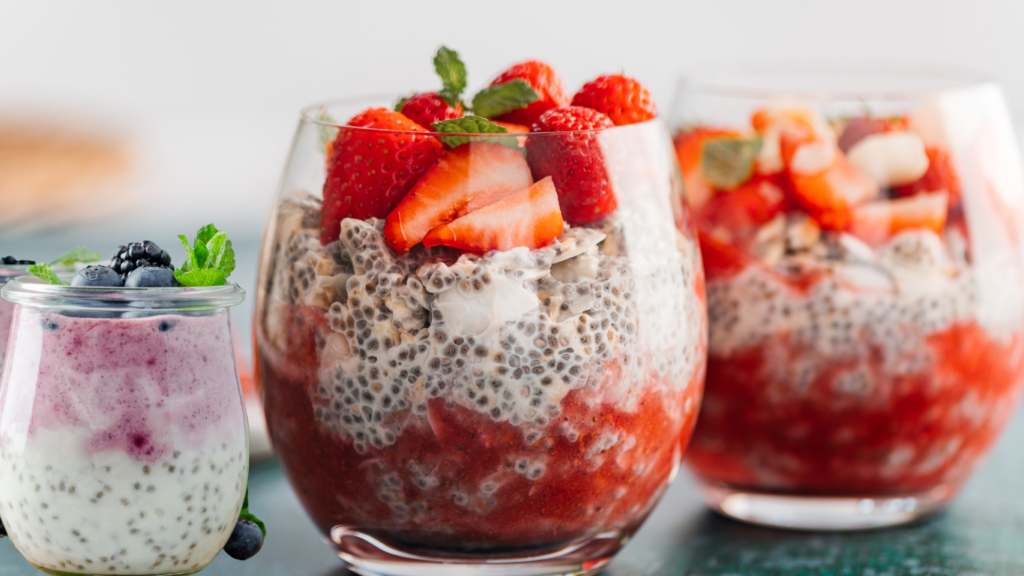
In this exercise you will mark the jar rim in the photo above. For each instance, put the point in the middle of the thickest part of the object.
(33, 292)
(843, 79)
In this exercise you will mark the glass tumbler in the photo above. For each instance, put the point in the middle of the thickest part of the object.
(123, 437)
(448, 412)
(861, 236)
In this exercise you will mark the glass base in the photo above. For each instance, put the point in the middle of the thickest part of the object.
(53, 572)
(832, 513)
(369, 556)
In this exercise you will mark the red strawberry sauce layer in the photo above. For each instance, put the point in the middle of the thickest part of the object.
(906, 432)
(590, 484)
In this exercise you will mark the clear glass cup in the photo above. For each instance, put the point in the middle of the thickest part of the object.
(860, 233)
(441, 412)
(123, 436)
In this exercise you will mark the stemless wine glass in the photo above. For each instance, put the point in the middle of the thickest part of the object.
(123, 439)
(860, 233)
(438, 411)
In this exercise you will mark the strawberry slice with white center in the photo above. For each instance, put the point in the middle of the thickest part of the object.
(876, 222)
(474, 175)
(529, 218)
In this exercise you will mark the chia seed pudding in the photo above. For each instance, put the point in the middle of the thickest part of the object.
(123, 444)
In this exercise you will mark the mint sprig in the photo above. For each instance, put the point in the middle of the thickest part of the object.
(246, 515)
(209, 259)
(452, 71)
(45, 273)
(80, 254)
(497, 100)
(472, 125)
(728, 162)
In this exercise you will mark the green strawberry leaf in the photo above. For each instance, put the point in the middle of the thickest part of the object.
(201, 277)
(43, 272)
(728, 162)
(453, 75)
(80, 254)
(246, 515)
(472, 125)
(401, 102)
(497, 100)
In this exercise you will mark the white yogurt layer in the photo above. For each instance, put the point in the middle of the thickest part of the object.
(106, 513)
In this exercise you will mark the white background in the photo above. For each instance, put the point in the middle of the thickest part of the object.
(209, 91)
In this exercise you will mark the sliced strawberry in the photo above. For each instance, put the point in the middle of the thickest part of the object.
(541, 78)
(469, 177)
(940, 176)
(803, 125)
(744, 210)
(876, 222)
(513, 128)
(529, 218)
(863, 126)
(689, 149)
(621, 98)
(829, 195)
(429, 107)
(369, 171)
(721, 259)
(575, 161)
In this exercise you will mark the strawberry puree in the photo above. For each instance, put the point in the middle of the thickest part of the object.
(899, 433)
(457, 479)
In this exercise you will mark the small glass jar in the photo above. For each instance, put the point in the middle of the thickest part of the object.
(7, 272)
(123, 435)
(514, 412)
(861, 234)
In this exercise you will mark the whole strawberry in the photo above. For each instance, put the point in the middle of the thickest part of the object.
(574, 161)
(428, 107)
(369, 172)
(621, 98)
(541, 78)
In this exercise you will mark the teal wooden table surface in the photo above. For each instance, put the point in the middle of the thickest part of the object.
(981, 534)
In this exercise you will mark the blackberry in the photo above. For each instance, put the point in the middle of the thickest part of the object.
(138, 255)
(11, 261)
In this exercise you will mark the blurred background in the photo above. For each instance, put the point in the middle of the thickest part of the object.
(122, 121)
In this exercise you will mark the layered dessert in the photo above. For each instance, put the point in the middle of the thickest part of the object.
(506, 354)
(865, 304)
(123, 442)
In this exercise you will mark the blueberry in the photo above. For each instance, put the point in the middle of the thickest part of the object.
(97, 275)
(246, 540)
(11, 260)
(150, 277)
(3, 531)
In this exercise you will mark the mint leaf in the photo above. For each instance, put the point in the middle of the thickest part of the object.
(43, 272)
(80, 254)
(190, 256)
(209, 260)
(497, 100)
(246, 515)
(202, 277)
(453, 75)
(327, 133)
(472, 125)
(728, 162)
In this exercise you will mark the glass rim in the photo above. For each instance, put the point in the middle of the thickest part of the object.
(715, 81)
(309, 114)
(33, 292)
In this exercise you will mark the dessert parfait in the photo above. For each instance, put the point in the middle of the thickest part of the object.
(481, 335)
(864, 292)
(123, 443)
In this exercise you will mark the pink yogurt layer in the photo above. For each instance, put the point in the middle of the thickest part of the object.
(146, 386)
